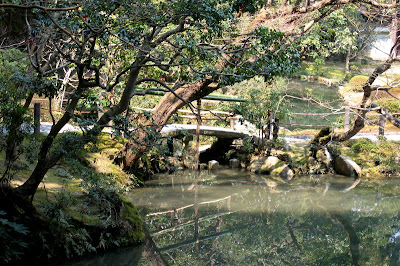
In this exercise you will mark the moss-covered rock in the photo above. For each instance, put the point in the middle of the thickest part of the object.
(134, 226)
(271, 165)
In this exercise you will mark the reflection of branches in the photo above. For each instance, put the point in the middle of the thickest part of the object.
(293, 236)
(191, 242)
(353, 238)
(151, 253)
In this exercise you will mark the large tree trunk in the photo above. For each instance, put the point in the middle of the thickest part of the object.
(47, 160)
(168, 105)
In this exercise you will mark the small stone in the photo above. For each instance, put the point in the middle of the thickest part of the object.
(213, 165)
(203, 166)
(234, 163)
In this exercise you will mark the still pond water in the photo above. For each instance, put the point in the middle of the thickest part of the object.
(231, 217)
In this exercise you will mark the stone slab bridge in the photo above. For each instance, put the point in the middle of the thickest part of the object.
(219, 132)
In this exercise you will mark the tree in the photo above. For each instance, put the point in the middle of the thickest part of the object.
(184, 47)
(366, 105)
(189, 48)
(345, 32)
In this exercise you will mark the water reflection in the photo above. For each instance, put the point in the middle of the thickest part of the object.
(240, 218)
(237, 218)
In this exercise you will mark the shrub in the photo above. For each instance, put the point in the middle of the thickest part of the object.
(362, 145)
(357, 82)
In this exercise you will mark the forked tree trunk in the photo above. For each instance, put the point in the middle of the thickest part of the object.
(168, 105)
(48, 159)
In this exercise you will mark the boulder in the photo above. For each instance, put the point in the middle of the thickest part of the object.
(271, 165)
(263, 165)
(234, 163)
(283, 171)
(347, 167)
(213, 164)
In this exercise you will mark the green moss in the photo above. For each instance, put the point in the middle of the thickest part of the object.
(131, 214)
(376, 158)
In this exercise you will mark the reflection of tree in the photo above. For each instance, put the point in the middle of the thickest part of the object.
(354, 240)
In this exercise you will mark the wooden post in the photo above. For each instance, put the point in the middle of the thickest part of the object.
(346, 118)
(197, 156)
(232, 122)
(36, 118)
(271, 126)
(382, 121)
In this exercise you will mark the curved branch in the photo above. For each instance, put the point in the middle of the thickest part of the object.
(15, 6)
(62, 29)
(383, 111)
(179, 28)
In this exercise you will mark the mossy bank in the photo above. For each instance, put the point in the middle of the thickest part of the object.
(78, 209)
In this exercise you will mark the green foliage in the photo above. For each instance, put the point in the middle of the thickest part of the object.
(362, 145)
(247, 5)
(376, 158)
(55, 210)
(262, 102)
(78, 242)
(342, 30)
(357, 82)
(315, 67)
(11, 244)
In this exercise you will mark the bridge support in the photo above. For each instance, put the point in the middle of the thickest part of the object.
(170, 146)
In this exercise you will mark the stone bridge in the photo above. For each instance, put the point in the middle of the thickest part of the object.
(218, 149)
(219, 132)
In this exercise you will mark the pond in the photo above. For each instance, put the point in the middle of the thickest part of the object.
(232, 217)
